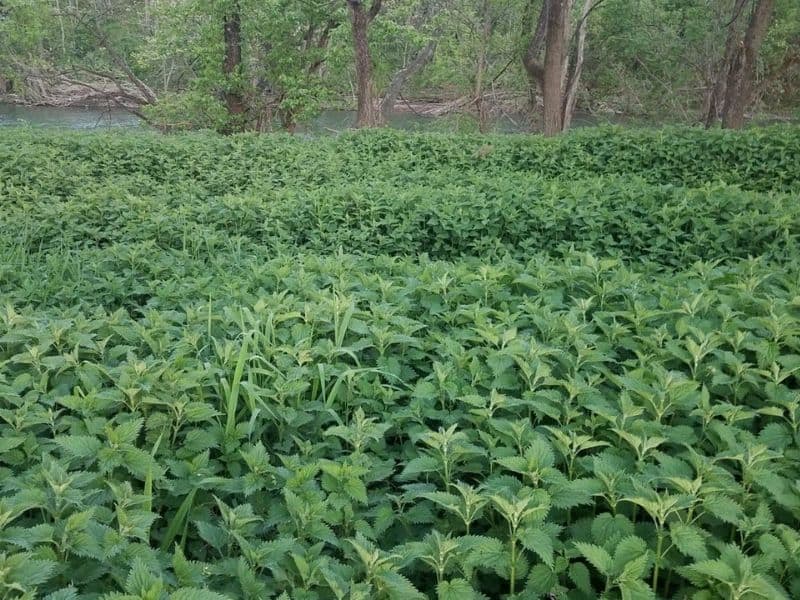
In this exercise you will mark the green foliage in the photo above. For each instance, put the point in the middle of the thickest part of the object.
(190, 408)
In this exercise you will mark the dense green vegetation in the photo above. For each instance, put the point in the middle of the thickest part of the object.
(400, 366)
(263, 64)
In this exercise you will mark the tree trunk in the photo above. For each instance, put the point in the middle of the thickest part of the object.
(367, 114)
(400, 79)
(530, 59)
(574, 78)
(714, 104)
(558, 77)
(480, 75)
(742, 73)
(554, 61)
(232, 66)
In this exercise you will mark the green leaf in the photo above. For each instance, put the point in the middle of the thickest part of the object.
(723, 508)
(579, 575)
(398, 587)
(539, 542)
(68, 593)
(188, 573)
(79, 446)
(636, 590)
(689, 541)
(597, 556)
(9, 443)
(541, 580)
(418, 466)
(455, 589)
(715, 570)
(178, 522)
(23, 569)
(356, 489)
(630, 558)
(140, 580)
(196, 594)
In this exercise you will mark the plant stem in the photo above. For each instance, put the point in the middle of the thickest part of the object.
(659, 546)
(512, 586)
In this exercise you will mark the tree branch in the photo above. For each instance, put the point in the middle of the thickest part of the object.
(422, 58)
(533, 67)
(374, 9)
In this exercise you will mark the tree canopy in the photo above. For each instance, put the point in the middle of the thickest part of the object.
(237, 65)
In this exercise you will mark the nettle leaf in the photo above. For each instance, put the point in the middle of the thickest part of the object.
(9, 443)
(140, 463)
(399, 587)
(25, 572)
(126, 433)
(455, 589)
(27, 537)
(597, 556)
(356, 489)
(716, 570)
(688, 540)
(579, 575)
(419, 466)
(188, 573)
(723, 508)
(539, 542)
(578, 492)
(141, 581)
(541, 580)
(484, 552)
(68, 593)
(606, 528)
(213, 535)
(196, 594)
(79, 446)
(773, 552)
(197, 412)
(634, 589)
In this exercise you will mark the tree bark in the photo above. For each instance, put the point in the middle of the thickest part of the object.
(367, 114)
(554, 61)
(574, 77)
(231, 68)
(530, 59)
(400, 79)
(742, 72)
(316, 67)
(714, 105)
(480, 75)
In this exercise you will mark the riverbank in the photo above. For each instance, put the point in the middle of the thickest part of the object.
(87, 112)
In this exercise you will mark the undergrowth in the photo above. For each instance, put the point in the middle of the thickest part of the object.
(264, 377)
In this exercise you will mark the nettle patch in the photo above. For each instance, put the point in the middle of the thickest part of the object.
(227, 418)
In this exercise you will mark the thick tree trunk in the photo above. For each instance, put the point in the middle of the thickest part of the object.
(714, 104)
(400, 79)
(742, 72)
(232, 65)
(554, 61)
(558, 77)
(367, 114)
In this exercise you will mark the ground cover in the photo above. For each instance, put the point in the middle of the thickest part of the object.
(395, 366)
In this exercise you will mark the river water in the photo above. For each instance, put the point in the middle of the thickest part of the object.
(329, 121)
(70, 118)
